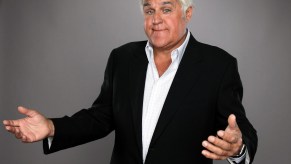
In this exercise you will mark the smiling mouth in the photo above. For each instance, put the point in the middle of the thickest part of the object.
(158, 30)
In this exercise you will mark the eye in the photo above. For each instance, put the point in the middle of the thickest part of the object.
(167, 11)
(149, 12)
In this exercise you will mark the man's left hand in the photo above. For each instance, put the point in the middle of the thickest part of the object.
(227, 143)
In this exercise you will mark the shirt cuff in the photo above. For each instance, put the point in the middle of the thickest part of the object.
(236, 160)
(50, 140)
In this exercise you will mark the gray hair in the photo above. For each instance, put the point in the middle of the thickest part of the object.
(184, 3)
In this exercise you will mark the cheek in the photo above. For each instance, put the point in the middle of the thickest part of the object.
(147, 22)
(180, 27)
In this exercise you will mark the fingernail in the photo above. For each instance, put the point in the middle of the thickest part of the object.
(220, 133)
(204, 143)
(211, 139)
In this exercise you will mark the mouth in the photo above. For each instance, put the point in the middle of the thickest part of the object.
(158, 30)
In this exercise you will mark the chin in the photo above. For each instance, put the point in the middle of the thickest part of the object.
(158, 41)
(158, 44)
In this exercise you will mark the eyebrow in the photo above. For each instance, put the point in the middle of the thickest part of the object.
(146, 4)
(167, 3)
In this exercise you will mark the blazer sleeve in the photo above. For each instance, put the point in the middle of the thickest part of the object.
(230, 102)
(88, 124)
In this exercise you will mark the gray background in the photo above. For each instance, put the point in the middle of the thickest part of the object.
(53, 55)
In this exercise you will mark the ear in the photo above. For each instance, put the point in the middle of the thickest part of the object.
(189, 13)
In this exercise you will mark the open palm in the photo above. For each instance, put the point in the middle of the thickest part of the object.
(32, 128)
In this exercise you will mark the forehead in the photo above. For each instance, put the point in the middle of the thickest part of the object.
(159, 2)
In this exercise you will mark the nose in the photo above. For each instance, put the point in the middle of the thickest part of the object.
(157, 18)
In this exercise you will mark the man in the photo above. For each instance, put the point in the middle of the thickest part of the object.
(167, 99)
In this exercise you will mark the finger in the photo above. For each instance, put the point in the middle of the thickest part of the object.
(219, 143)
(11, 122)
(18, 134)
(220, 133)
(15, 131)
(232, 122)
(230, 137)
(213, 156)
(214, 149)
(10, 129)
(26, 111)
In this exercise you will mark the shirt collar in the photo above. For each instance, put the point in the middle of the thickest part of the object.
(180, 50)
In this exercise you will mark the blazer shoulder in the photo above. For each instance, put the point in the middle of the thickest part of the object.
(131, 47)
(129, 52)
(215, 53)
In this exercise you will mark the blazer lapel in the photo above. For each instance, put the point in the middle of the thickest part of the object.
(188, 72)
(137, 75)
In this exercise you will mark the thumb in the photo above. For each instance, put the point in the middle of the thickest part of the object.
(26, 111)
(232, 121)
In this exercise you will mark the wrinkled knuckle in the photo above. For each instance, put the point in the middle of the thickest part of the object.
(218, 142)
(229, 147)
(221, 152)
(10, 122)
(232, 139)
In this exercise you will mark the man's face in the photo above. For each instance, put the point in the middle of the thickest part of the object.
(165, 23)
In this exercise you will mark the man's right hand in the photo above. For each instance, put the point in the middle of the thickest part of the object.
(33, 128)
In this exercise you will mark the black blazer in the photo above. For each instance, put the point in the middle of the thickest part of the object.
(205, 91)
